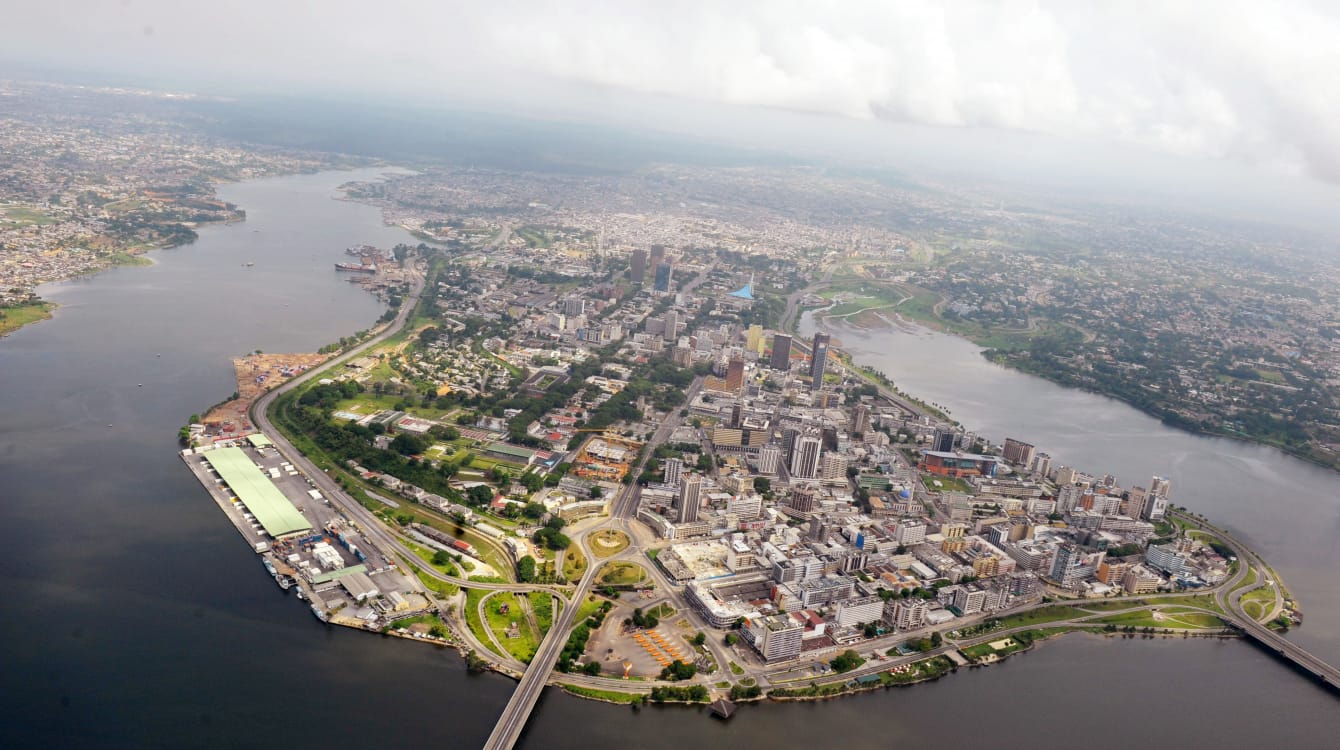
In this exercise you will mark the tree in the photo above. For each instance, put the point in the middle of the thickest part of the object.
(762, 484)
(678, 670)
(441, 557)
(532, 510)
(408, 445)
(525, 569)
(846, 661)
(480, 494)
(936, 640)
(592, 668)
(732, 639)
(596, 492)
(699, 639)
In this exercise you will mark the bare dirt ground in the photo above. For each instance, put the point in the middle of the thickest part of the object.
(256, 374)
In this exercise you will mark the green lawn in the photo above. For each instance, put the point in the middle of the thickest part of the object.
(477, 628)
(622, 574)
(443, 589)
(946, 484)
(18, 316)
(606, 695)
(614, 542)
(1037, 616)
(574, 563)
(525, 643)
(1174, 619)
(26, 217)
(543, 604)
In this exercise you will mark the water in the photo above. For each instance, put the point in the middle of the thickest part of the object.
(1286, 509)
(134, 615)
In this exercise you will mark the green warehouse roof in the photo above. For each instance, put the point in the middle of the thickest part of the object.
(276, 514)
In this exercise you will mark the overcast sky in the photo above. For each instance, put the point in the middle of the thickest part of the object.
(1256, 82)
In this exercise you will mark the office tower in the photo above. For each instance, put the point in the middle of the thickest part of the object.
(753, 339)
(818, 360)
(805, 457)
(690, 492)
(657, 256)
(735, 374)
(1042, 464)
(833, 468)
(671, 332)
(768, 459)
(803, 499)
(637, 266)
(1136, 501)
(860, 419)
(1018, 453)
(573, 306)
(674, 469)
(663, 277)
(1156, 503)
(943, 441)
(781, 352)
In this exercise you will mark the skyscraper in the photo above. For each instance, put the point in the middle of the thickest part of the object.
(781, 352)
(818, 360)
(657, 255)
(663, 277)
(674, 468)
(860, 419)
(803, 499)
(805, 457)
(637, 266)
(768, 459)
(943, 441)
(735, 374)
(671, 326)
(753, 339)
(690, 492)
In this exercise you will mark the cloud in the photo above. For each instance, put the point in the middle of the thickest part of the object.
(1257, 82)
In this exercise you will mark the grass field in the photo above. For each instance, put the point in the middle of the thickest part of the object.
(946, 484)
(622, 574)
(25, 217)
(542, 602)
(1037, 616)
(608, 543)
(1174, 619)
(477, 627)
(574, 563)
(605, 695)
(523, 646)
(14, 318)
(443, 589)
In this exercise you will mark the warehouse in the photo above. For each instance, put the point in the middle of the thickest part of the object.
(262, 499)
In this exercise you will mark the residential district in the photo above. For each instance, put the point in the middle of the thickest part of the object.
(632, 448)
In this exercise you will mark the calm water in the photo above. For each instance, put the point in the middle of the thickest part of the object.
(135, 617)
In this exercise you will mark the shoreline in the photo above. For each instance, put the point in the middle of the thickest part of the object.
(908, 323)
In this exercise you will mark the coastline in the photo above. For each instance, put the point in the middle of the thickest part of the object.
(862, 320)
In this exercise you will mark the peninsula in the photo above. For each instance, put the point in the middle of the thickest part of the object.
(624, 474)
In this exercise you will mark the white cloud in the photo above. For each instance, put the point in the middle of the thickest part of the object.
(1252, 81)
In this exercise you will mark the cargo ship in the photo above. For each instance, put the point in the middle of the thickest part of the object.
(355, 267)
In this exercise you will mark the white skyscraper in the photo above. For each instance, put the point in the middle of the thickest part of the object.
(805, 457)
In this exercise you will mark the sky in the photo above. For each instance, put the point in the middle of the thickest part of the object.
(1246, 83)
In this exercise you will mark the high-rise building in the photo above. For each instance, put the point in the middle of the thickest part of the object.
(943, 441)
(1042, 464)
(663, 277)
(1018, 453)
(671, 332)
(909, 614)
(690, 492)
(860, 419)
(637, 266)
(803, 499)
(818, 360)
(805, 457)
(1136, 500)
(769, 456)
(775, 637)
(1156, 505)
(735, 374)
(753, 339)
(833, 468)
(674, 469)
(657, 256)
(781, 352)
(574, 306)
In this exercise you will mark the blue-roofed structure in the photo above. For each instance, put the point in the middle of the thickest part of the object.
(744, 292)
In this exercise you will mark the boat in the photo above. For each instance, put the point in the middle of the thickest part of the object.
(301, 596)
(320, 613)
(284, 582)
(269, 567)
(355, 267)
(249, 264)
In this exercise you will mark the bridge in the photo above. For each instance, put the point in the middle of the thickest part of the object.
(1289, 651)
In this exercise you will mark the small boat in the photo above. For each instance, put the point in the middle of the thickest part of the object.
(284, 582)
(301, 596)
(320, 613)
(269, 567)
(249, 264)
